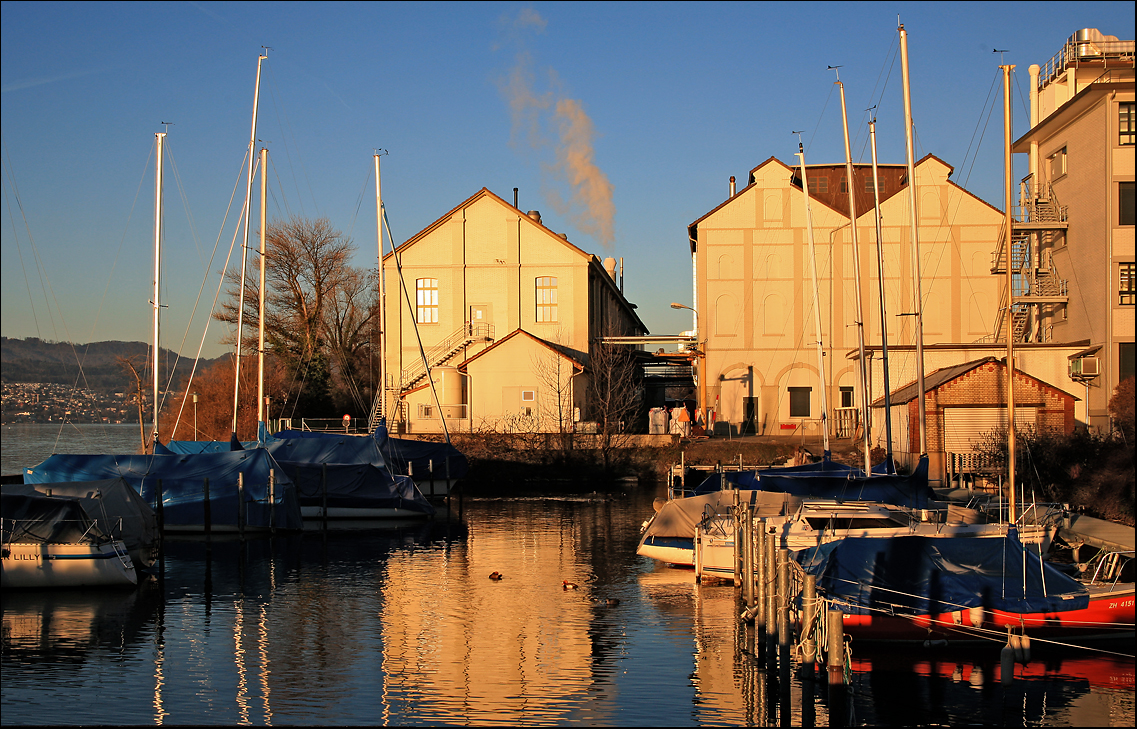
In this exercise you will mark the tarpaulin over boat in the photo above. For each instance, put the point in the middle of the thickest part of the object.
(116, 507)
(183, 485)
(833, 481)
(420, 458)
(355, 486)
(679, 517)
(44, 519)
(933, 575)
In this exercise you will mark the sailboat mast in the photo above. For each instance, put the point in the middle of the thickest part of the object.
(161, 138)
(261, 302)
(862, 364)
(1008, 229)
(816, 302)
(917, 296)
(883, 311)
(245, 244)
(381, 390)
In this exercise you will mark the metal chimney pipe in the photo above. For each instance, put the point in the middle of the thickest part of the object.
(732, 185)
(515, 197)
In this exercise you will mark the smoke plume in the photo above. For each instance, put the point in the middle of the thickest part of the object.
(559, 131)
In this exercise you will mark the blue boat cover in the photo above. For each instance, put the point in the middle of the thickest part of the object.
(933, 575)
(828, 480)
(355, 485)
(183, 477)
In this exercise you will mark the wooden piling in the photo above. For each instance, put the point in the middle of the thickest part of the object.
(272, 500)
(760, 582)
(771, 541)
(736, 512)
(208, 515)
(241, 504)
(748, 557)
(836, 666)
(808, 623)
(784, 638)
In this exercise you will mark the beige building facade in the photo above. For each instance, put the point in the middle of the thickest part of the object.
(507, 312)
(752, 262)
(1073, 242)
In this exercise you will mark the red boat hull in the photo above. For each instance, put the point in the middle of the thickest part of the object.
(1109, 615)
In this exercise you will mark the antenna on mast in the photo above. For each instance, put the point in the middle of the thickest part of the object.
(1000, 52)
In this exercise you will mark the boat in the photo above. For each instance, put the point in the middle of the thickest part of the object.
(51, 542)
(116, 509)
(918, 589)
(224, 492)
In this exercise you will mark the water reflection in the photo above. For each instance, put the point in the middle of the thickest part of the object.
(404, 626)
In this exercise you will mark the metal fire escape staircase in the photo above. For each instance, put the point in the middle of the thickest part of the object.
(441, 353)
(1038, 222)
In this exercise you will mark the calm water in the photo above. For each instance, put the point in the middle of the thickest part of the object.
(403, 626)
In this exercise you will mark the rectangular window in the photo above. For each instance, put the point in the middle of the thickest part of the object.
(546, 298)
(844, 186)
(799, 402)
(426, 290)
(1057, 164)
(1126, 284)
(528, 396)
(846, 397)
(868, 184)
(1126, 129)
(818, 184)
(1125, 211)
(425, 411)
(1124, 360)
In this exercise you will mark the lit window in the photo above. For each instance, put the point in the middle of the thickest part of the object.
(1126, 124)
(799, 402)
(547, 299)
(818, 184)
(427, 293)
(1126, 284)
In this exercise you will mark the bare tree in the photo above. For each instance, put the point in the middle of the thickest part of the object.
(128, 365)
(615, 392)
(555, 370)
(318, 309)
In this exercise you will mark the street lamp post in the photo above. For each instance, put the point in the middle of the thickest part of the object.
(701, 352)
(195, 416)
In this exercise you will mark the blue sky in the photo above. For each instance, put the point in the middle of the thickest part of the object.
(669, 100)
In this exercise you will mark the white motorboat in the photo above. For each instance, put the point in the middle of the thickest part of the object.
(52, 542)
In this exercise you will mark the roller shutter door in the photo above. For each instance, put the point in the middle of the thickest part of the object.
(963, 426)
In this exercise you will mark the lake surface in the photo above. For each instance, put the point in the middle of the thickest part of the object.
(401, 625)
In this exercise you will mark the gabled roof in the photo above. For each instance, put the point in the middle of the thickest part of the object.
(577, 359)
(591, 259)
(840, 204)
(942, 376)
(485, 193)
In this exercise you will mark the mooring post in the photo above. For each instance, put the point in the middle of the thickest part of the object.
(241, 504)
(430, 474)
(784, 638)
(446, 463)
(760, 584)
(771, 541)
(748, 557)
(836, 666)
(736, 511)
(808, 624)
(272, 500)
(324, 497)
(206, 506)
(698, 555)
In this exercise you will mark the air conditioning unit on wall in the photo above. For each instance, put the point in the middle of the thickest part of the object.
(1085, 368)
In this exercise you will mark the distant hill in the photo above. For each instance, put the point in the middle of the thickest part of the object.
(38, 360)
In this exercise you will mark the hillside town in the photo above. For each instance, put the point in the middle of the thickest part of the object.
(42, 402)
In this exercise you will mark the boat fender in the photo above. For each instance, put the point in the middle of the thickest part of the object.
(976, 616)
(957, 617)
(1024, 643)
(937, 643)
(1015, 641)
(1007, 662)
